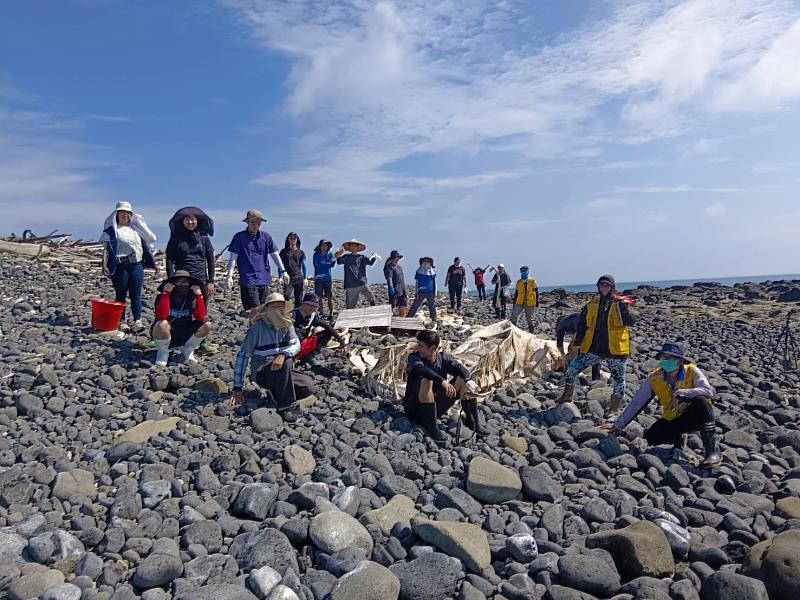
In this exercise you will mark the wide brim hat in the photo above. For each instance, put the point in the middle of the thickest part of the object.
(354, 242)
(424, 258)
(205, 224)
(674, 350)
(254, 214)
(126, 206)
(322, 243)
(395, 254)
(184, 273)
(274, 297)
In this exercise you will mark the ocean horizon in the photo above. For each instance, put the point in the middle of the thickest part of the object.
(665, 283)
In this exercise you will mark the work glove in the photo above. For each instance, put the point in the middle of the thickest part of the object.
(229, 281)
(285, 279)
(391, 292)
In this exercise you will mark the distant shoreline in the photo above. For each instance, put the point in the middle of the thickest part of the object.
(668, 283)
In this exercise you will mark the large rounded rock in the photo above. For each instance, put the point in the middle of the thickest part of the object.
(264, 547)
(429, 577)
(777, 563)
(399, 508)
(727, 585)
(491, 482)
(35, 583)
(336, 530)
(589, 574)
(157, 570)
(639, 549)
(217, 591)
(76, 481)
(368, 581)
(299, 460)
(464, 541)
(255, 500)
(537, 484)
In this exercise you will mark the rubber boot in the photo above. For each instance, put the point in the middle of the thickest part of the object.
(189, 347)
(566, 396)
(472, 416)
(426, 416)
(614, 405)
(162, 352)
(402, 312)
(713, 457)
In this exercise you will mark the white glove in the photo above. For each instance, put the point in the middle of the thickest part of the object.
(229, 281)
(375, 255)
(472, 388)
(285, 278)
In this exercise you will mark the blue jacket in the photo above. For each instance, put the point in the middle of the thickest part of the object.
(111, 250)
(323, 266)
(426, 284)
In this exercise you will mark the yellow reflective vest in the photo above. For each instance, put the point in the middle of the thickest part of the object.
(526, 291)
(619, 343)
(663, 391)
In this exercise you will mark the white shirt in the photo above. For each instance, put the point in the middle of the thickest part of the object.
(129, 242)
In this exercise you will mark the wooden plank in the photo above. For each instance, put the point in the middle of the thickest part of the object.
(369, 316)
(24, 249)
(409, 324)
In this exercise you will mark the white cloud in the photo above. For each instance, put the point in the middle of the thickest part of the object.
(716, 210)
(380, 82)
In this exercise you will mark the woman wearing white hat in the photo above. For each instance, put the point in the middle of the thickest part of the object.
(129, 248)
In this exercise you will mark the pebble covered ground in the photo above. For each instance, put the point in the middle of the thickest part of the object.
(120, 480)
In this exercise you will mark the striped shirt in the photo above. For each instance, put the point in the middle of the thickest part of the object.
(262, 342)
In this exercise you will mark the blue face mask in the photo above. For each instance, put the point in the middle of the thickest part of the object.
(524, 274)
(669, 364)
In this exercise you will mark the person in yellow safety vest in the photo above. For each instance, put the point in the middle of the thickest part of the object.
(526, 298)
(602, 336)
(685, 396)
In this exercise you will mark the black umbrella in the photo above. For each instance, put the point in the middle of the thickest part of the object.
(205, 224)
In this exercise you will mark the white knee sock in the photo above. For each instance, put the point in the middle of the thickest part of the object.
(162, 351)
(188, 348)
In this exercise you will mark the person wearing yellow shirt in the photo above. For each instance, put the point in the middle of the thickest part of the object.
(526, 298)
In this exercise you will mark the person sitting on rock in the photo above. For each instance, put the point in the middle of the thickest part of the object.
(429, 393)
(306, 323)
(568, 325)
(603, 336)
(685, 397)
(180, 311)
(270, 346)
(526, 299)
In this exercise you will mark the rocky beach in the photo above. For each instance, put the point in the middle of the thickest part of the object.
(121, 480)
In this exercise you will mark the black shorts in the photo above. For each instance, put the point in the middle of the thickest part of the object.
(323, 289)
(181, 330)
(253, 295)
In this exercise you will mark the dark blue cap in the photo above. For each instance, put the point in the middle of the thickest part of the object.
(675, 350)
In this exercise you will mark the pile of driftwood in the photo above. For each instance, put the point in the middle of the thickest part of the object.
(54, 247)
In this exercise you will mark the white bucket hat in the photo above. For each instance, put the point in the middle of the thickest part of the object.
(123, 206)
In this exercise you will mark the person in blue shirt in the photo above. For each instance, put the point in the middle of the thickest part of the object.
(425, 278)
(250, 251)
(323, 273)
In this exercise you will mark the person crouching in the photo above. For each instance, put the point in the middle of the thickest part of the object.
(270, 346)
(429, 392)
(180, 312)
(685, 396)
(314, 331)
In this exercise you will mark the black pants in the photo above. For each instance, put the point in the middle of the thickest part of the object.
(285, 385)
(501, 298)
(298, 288)
(667, 432)
(443, 403)
(481, 291)
(455, 295)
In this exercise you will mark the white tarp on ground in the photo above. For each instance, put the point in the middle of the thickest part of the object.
(493, 354)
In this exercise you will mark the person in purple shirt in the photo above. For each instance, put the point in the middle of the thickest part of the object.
(249, 252)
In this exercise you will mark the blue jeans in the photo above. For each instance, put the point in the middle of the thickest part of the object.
(128, 281)
(587, 359)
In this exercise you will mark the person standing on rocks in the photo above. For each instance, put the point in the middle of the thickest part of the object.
(430, 391)
(270, 346)
(603, 336)
(425, 278)
(189, 249)
(526, 298)
(454, 282)
(355, 272)
(307, 324)
(250, 251)
(480, 281)
(568, 324)
(180, 317)
(685, 395)
(501, 281)
(323, 273)
(396, 283)
(128, 250)
(294, 261)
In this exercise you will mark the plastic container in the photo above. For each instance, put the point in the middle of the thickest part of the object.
(106, 314)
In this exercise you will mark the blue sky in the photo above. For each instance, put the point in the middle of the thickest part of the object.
(652, 140)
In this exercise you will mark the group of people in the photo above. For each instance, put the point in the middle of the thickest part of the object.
(283, 332)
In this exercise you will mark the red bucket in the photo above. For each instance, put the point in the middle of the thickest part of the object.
(106, 314)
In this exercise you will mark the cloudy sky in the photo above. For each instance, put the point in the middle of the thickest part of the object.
(652, 140)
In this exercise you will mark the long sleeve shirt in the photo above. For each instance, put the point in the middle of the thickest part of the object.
(262, 342)
(323, 265)
(702, 388)
(193, 307)
(600, 337)
(568, 324)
